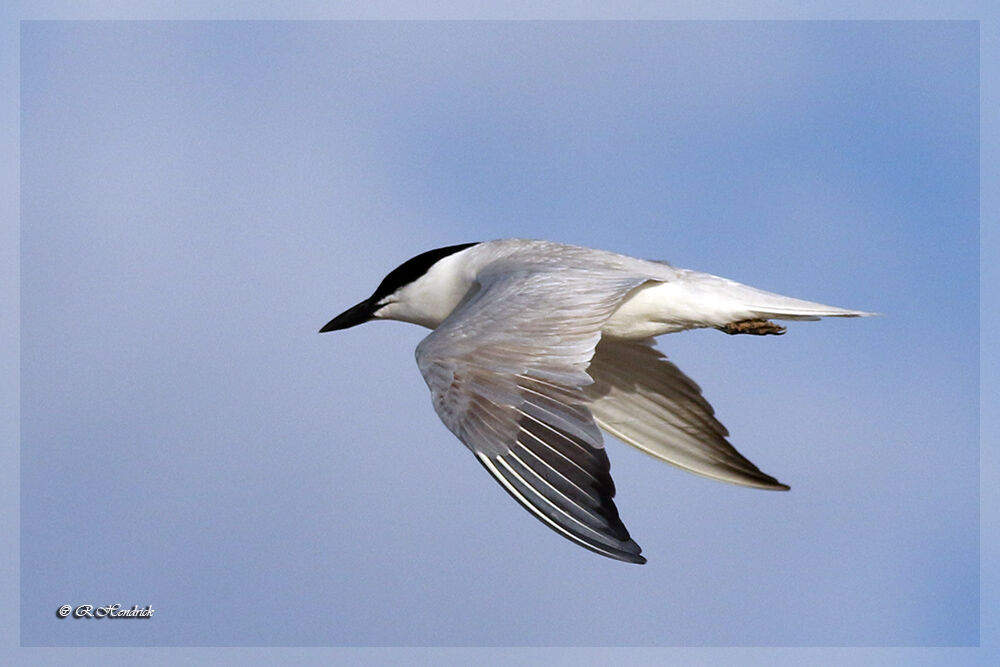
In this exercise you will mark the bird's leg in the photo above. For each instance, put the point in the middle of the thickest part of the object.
(755, 327)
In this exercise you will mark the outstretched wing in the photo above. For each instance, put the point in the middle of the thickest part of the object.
(646, 401)
(506, 372)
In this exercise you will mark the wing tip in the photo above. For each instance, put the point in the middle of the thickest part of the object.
(635, 558)
(616, 543)
(627, 552)
(761, 481)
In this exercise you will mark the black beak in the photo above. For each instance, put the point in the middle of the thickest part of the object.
(359, 314)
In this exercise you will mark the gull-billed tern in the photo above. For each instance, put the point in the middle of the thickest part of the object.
(538, 346)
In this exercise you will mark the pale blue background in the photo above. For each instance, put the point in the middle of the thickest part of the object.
(199, 198)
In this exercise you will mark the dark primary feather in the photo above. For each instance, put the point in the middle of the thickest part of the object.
(511, 391)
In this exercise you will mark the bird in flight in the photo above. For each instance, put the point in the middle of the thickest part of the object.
(537, 347)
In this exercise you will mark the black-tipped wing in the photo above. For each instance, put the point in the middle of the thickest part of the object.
(646, 401)
(505, 372)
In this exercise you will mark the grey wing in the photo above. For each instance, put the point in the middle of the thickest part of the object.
(505, 372)
(646, 401)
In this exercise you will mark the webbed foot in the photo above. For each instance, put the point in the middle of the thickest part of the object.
(754, 327)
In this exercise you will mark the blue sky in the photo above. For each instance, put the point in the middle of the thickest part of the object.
(199, 198)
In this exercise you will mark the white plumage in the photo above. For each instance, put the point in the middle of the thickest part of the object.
(538, 346)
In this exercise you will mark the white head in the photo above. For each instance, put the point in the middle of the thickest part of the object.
(422, 290)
